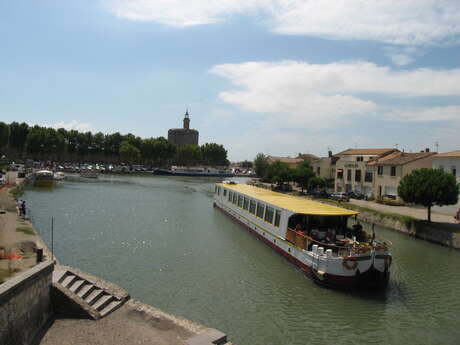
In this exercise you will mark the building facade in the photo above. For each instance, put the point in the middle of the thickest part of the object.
(325, 166)
(352, 172)
(390, 169)
(449, 162)
(185, 135)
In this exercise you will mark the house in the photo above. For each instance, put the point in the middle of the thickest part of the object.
(325, 166)
(390, 169)
(352, 172)
(449, 162)
(291, 162)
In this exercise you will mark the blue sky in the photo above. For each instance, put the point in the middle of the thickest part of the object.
(272, 76)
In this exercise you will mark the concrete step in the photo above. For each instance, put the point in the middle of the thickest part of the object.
(112, 306)
(58, 275)
(77, 285)
(86, 290)
(69, 280)
(102, 302)
(94, 296)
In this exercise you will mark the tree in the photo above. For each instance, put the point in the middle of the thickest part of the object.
(188, 155)
(128, 152)
(429, 187)
(302, 175)
(4, 134)
(317, 182)
(18, 136)
(261, 165)
(213, 154)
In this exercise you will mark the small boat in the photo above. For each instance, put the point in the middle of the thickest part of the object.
(43, 178)
(89, 173)
(59, 176)
(312, 235)
(194, 171)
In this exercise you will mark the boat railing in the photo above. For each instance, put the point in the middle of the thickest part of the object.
(304, 241)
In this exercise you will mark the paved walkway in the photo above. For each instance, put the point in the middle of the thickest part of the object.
(415, 212)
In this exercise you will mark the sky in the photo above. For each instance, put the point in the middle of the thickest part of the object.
(273, 76)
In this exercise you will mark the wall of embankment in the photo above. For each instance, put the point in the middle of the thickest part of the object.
(444, 234)
(25, 305)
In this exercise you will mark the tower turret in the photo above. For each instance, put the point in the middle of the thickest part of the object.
(186, 120)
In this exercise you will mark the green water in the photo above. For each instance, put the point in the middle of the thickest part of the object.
(161, 240)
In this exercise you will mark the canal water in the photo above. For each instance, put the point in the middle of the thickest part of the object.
(161, 240)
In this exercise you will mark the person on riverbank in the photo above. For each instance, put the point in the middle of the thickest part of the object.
(23, 208)
(19, 207)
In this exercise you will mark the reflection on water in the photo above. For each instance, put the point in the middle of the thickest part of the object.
(161, 239)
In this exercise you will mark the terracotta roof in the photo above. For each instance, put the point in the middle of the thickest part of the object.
(308, 156)
(365, 152)
(453, 154)
(287, 160)
(400, 158)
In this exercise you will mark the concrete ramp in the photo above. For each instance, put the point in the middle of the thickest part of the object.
(94, 296)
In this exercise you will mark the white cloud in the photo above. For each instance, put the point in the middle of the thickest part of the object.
(434, 114)
(312, 95)
(75, 125)
(401, 56)
(409, 22)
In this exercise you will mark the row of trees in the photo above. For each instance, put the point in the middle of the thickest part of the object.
(20, 140)
(280, 173)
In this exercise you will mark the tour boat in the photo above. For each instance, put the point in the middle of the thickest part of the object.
(43, 178)
(194, 171)
(314, 236)
(59, 176)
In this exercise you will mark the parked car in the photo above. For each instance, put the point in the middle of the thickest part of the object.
(340, 196)
(320, 194)
(356, 195)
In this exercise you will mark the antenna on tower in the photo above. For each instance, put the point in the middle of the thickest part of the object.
(436, 143)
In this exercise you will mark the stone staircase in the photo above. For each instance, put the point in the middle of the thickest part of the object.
(95, 296)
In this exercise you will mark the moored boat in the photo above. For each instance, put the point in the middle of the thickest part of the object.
(314, 236)
(194, 171)
(59, 176)
(89, 173)
(43, 178)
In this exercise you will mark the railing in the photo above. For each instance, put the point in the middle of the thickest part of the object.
(303, 241)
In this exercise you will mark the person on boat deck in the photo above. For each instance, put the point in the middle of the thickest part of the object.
(330, 236)
(298, 228)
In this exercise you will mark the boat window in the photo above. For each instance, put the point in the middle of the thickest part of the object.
(230, 194)
(260, 210)
(215, 189)
(269, 211)
(277, 217)
(235, 196)
(252, 207)
(218, 190)
(246, 203)
(225, 192)
(240, 201)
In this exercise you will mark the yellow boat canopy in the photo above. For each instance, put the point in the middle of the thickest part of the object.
(288, 202)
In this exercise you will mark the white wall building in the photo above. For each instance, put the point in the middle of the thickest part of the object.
(449, 162)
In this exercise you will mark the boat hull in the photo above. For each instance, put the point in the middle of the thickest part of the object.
(43, 183)
(369, 279)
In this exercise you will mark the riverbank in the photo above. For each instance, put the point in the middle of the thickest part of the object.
(19, 239)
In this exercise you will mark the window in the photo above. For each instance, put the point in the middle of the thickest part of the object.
(318, 171)
(380, 170)
(215, 189)
(277, 218)
(260, 210)
(230, 194)
(269, 211)
(240, 201)
(252, 207)
(225, 192)
(357, 175)
(368, 176)
(349, 175)
(340, 174)
(359, 159)
(441, 167)
(235, 198)
(454, 171)
(245, 203)
(393, 171)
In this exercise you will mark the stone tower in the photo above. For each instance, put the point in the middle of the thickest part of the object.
(184, 136)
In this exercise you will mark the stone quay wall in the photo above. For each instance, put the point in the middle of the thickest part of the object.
(25, 305)
(444, 234)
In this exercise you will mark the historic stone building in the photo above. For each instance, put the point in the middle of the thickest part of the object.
(184, 136)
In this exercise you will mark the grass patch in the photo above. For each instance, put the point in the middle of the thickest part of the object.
(17, 191)
(27, 231)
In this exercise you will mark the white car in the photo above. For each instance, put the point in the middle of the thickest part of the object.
(2, 180)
